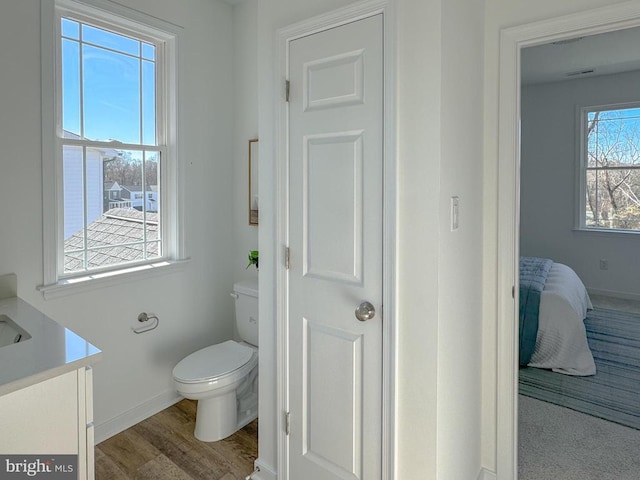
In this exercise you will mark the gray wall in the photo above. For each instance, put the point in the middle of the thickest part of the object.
(550, 156)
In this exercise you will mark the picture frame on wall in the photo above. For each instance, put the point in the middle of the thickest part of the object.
(253, 181)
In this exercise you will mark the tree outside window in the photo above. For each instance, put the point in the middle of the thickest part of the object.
(612, 169)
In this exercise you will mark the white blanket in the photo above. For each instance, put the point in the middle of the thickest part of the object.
(561, 343)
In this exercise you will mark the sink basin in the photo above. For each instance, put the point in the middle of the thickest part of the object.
(11, 332)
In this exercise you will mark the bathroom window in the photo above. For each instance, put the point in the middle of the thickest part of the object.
(113, 96)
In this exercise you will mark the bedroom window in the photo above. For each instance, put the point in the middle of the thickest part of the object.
(610, 168)
(113, 132)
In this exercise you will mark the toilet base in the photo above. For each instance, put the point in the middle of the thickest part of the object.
(221, 416)
(216, 418)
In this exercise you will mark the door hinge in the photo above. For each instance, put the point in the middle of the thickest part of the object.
(287, 262)
(287, 423)
(513, 291)
(287, 88)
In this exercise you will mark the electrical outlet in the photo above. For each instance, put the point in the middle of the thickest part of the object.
(604, 264)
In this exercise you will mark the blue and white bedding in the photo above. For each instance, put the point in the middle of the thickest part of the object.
(561, 339)
(533, 276)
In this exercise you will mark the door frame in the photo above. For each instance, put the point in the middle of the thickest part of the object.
(285, 36)
(512, 40)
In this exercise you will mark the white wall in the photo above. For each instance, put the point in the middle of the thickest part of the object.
(245, 127)
(549, 158)
(194, 306)
(439, 87)
(500, 14)
(460, 269)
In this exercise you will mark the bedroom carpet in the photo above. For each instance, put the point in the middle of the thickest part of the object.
(614, 392)
(560, 444)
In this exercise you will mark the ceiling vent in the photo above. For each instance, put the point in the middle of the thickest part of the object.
(567, 41)
(579, 73)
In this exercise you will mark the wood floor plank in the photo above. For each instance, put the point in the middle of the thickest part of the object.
(129, 451)
(163, 447)
(107, 469)
(161, 467)
(188, 454)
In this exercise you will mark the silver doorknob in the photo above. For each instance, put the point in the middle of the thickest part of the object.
(365, 311)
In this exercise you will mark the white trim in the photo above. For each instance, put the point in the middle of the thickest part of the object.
(110, 278)
(285, 36)
(168, 60)
(486, 474)
(263, 472)
(135, 415)
(512, 40)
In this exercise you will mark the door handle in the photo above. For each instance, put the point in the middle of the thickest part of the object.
(365, 311)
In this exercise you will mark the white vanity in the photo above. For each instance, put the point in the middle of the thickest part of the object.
(46, 400)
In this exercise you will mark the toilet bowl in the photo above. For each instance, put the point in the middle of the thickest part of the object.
(223, 378)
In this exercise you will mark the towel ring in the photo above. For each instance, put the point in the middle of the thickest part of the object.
(144, 317)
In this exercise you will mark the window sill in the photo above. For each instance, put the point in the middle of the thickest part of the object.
(607, 232)
(72, 286)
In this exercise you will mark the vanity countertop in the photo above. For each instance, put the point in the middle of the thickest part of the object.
(51, 351)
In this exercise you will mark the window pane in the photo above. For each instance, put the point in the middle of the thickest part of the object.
(149, 103)
(70, 28)
(148, 51)
(123, 179)
(71, 86)
(73, 191)
(103, 38)
(152, 195)
(613, 138)
(111, 89)
(73, 262)
(117, 226)
(114, 255)
(154, 250)
(613, 199)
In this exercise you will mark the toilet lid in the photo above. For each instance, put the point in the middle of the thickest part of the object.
(211, 362)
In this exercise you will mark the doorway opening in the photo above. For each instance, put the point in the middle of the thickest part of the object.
(513, 41)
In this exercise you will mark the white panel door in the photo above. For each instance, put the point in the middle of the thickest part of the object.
(335, 240)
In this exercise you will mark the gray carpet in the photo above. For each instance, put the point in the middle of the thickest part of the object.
(560, 444)
(614, 392)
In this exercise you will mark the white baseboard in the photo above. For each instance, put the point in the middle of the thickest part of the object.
(486, 475)
(135, 415)
(263, 472)
(609, 293)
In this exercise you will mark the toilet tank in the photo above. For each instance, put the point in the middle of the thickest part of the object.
(246, 295)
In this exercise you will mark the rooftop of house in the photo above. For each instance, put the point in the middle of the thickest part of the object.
(112, 229)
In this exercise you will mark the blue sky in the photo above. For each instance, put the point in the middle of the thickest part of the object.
(616, 137)
(118, 78)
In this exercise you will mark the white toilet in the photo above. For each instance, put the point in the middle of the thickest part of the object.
(224, 377)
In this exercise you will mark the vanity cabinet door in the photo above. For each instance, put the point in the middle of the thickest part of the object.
(41, 418)
(53, 417)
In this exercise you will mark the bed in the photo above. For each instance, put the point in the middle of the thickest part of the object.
(560, 335)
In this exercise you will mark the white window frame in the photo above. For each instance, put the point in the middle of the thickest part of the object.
(583, 146)
(106, 13)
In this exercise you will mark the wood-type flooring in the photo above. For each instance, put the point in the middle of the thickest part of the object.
(163, 447)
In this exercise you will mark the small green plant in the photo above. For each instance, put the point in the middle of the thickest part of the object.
(253, 258)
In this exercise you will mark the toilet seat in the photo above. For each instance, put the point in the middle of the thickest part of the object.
(213, 362)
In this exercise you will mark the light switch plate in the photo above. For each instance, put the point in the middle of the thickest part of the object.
(455, 213)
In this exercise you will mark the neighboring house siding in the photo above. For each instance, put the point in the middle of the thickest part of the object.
(73, 194)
